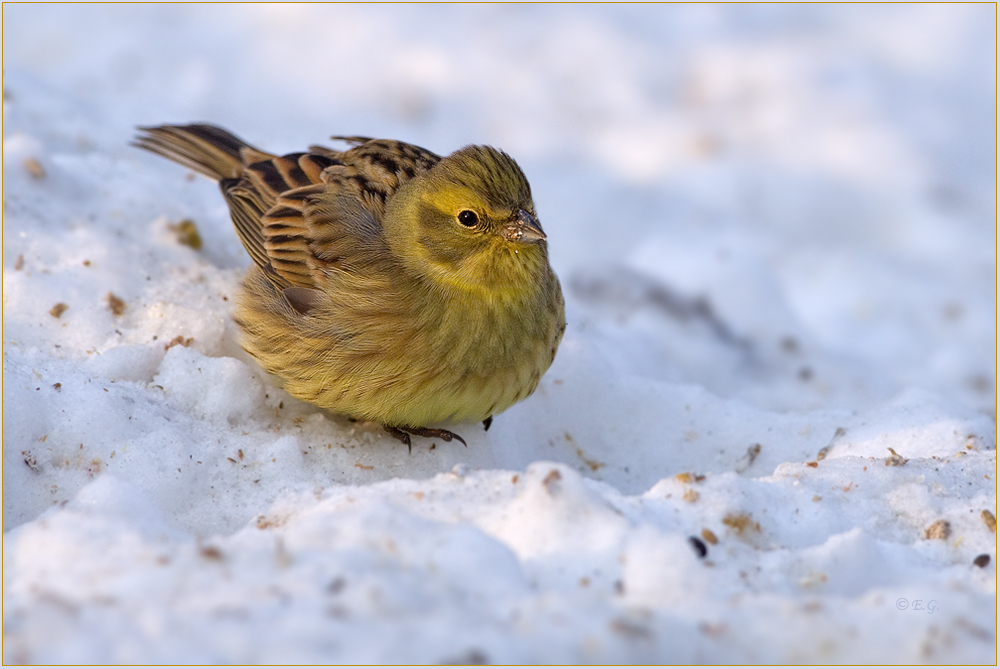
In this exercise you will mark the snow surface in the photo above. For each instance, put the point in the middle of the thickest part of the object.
(775, 227)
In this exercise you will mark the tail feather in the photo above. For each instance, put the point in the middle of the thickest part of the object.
(204, 148)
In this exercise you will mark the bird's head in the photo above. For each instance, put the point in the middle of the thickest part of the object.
(469, 222)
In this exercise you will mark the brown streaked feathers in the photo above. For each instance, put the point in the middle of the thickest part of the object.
(273, 198)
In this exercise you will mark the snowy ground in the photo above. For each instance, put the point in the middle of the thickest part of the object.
(770, 432)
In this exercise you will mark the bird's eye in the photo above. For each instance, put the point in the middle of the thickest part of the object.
(468, 218)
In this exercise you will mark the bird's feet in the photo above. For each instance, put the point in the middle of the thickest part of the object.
(403, 434)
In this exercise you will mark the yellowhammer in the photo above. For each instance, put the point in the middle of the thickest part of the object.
(389, 284)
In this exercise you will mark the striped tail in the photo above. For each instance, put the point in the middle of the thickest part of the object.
(204, 148)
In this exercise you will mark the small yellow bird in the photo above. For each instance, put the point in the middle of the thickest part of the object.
(389, 284)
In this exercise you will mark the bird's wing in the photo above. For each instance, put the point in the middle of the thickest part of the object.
(251, 180)
(333, 224)
(270, 197)
(300, 216)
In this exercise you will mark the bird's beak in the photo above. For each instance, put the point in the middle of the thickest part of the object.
(523, 228)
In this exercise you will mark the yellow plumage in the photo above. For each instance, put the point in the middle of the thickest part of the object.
(389, 284)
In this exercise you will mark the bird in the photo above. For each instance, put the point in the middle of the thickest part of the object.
(388, 284)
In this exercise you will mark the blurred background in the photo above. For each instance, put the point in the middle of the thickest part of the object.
(818, 177)
(775, 226)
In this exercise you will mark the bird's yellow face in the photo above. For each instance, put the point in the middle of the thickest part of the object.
(470, 223)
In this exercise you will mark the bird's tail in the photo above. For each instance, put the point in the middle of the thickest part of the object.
(204, 148)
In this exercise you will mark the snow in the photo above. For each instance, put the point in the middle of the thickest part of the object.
(775, 228)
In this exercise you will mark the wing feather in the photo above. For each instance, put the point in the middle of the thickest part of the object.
(303, 217)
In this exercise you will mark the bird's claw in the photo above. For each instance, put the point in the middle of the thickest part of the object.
(403, 434)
